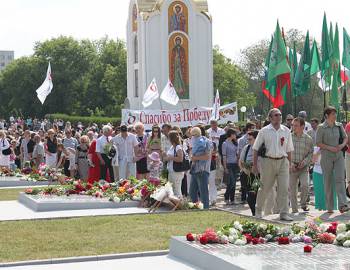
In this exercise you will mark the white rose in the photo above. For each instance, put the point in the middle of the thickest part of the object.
(232, 239)
(233, 232)
(341, 228)
(238, 226)
(335, 242)
(263, 226)
(347, 234)
(340, 237)
(190, 204)
(116, 199)
(324, 227)
(346, 243)
(240, 242)
(200, 206)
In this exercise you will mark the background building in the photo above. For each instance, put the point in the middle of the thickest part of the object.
(170, 39)
(6, 57)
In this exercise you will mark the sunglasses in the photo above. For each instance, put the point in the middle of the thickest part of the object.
(289, 119)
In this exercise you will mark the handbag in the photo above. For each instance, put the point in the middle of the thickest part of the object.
(5, 152)
(341, 140)
(262, 151)
(181, 166)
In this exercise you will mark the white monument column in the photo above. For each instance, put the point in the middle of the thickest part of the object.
(174, 40)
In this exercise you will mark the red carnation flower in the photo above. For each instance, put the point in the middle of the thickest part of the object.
(255, 241)
(307, 249)
(190, 237)
(332, 229)
(282, 141)
(249, 238)
(283, 240)
(203, 240)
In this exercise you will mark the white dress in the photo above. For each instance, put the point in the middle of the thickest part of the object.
(4, 160)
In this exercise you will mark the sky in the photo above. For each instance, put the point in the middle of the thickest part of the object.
(236, 24)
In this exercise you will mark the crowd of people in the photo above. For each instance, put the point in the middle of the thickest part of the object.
(273, 162)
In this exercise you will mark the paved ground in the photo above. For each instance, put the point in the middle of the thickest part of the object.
(299, 217)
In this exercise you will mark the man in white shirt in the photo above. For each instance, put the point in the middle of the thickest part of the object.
(275, 165)
(103, 156)
(126, 143)
(214, 132)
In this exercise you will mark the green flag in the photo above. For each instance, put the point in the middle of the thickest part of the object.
(331, 36)
(315, 59)
(346, 49)
(278, 63)
(295, 58)
(302, 77)
(334, 100)
(336, 56)
(326, 50)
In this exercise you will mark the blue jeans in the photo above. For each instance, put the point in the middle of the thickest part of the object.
(199, 183)
(233, 170)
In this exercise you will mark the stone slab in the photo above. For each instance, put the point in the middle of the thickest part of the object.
(41, 203)
(13, 181)
(269, 256)
(14, 211)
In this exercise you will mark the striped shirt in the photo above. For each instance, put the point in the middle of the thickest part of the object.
(303, 149)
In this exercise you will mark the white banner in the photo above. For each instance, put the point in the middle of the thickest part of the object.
(181, 118)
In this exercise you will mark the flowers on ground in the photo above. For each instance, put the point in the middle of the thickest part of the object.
(244, 233)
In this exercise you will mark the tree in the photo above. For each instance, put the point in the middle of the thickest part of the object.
(252, 61)
(231, 81)
(89, 78)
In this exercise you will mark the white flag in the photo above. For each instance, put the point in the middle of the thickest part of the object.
(169, 94)
(215, 113)
(45, 89)
(322, 83)
(151, 94)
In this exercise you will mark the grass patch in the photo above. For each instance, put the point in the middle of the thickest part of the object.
(10, 194)
(43, 239)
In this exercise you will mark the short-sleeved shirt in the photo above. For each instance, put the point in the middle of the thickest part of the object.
(214, 135)
(125, 146)
(230, 151)
(100, 144)
(171, 153)
(70, 143)
(243, 141)
(249, 154)
(278, 143)
(330, 136)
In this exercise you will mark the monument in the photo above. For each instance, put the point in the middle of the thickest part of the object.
(170, 39)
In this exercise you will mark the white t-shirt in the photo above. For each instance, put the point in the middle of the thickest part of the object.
(171, 153)
(100, 143)
(214, 135)
(125, 146)
(317, 165)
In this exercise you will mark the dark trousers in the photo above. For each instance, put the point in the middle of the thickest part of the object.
(107, 166)
(244, 186)
(184, 186)
(65, 167)
(250, 194)
(233, 170)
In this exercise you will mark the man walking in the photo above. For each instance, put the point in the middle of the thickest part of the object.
(301, 160)
(277, 140)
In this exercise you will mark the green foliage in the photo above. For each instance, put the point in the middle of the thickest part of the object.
(89, 78)
(86, 120)
(231, 81)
